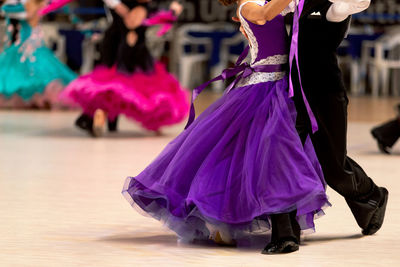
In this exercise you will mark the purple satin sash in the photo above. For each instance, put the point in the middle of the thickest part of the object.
(240, 70)
(294, 55)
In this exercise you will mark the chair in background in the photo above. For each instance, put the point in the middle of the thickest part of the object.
(211, 43)
(189, 52)
(382, 58)
(230, 50)
(224, 36)
(90, 53)
(2, 34)
(54, 40)
(368, 66)
(156, 44)
(395, 72)
(352, 50)
(93, 32)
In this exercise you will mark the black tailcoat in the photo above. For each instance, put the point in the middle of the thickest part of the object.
(325, 90)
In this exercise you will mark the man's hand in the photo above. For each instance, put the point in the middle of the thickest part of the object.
(361, 3)
(236, 19)
(341, 9)
(176, 7)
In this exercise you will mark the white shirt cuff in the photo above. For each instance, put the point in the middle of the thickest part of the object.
(112, 3)
(340, 10)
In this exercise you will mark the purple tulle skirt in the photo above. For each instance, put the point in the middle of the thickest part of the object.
(240, 161)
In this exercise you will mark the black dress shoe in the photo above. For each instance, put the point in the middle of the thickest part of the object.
(113, 125)
(369, 213)
(378, 216)
(387, 134)
(382, 147)
(84, 122)
(281, 247)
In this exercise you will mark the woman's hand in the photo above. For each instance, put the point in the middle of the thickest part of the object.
(261, 14)
(243, 32)
(236, 19)
(176, 7)
(122, 10)
(32, 11)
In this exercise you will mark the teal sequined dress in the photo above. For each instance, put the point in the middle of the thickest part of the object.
(30, 74)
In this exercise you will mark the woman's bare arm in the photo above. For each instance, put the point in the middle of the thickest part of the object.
(261, 14)
(135, 17)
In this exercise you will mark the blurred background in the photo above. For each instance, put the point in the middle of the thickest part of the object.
(205, 41)
(60, 192)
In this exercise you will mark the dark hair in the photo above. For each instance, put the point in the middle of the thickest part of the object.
(227, 2)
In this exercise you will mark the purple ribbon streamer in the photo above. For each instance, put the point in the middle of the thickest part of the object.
(242, 70)
(294, 55)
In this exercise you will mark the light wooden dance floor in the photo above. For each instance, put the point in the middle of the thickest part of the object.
(60, 200)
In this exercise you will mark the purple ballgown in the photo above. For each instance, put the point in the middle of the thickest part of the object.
(241, 159)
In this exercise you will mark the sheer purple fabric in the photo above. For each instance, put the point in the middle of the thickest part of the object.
(238, 162)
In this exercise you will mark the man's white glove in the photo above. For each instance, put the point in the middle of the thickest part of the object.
(341, 9)
(112, 3)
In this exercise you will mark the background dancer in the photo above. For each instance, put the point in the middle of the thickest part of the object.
(30, 74)
(128, 81)
(387, 134)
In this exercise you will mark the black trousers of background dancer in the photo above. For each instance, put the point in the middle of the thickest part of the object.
(388, 133)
